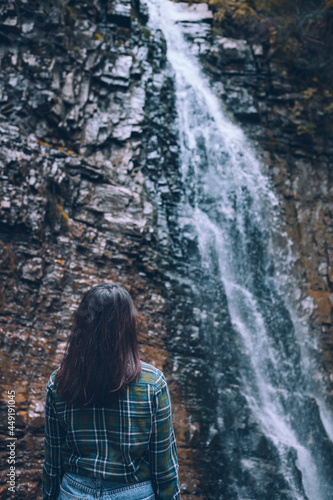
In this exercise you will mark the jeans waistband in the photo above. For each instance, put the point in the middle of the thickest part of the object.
(92, 484)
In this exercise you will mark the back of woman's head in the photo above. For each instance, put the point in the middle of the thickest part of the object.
(102, 356)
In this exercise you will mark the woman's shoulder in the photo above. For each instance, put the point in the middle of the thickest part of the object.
(151, 375)
(51, 382)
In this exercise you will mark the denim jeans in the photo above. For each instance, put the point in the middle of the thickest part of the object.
(74, 487)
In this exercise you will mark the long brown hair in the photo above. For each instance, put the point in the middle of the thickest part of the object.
(102, 355)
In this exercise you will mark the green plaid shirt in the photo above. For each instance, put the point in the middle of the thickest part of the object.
(130, 441)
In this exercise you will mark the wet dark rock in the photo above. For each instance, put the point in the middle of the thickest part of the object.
(142, 9)
(119, 12)
(197, 12)
(233, 51)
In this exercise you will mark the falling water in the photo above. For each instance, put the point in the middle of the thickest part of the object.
(231, 209)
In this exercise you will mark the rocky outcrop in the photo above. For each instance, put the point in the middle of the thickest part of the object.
(76, 143)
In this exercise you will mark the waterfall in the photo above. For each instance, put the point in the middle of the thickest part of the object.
(231, 212)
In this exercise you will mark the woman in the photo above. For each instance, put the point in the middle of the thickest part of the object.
(108, 429)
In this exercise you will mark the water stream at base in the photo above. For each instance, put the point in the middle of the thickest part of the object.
(232, 213)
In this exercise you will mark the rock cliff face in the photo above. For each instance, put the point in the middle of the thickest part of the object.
(76, 141)
(90, 181)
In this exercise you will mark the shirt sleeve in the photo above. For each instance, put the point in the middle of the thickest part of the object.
(163, 449)
(54, 436)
